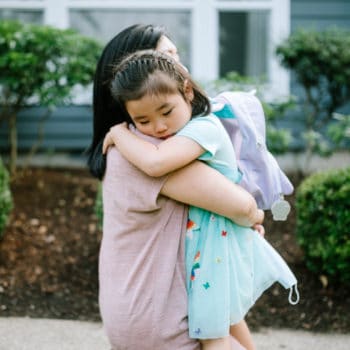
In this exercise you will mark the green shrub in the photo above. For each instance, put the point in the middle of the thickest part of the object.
(320, 61)
(41, 65)
(6, 203)
(323, 223)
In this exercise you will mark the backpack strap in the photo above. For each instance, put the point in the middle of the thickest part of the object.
(222, 110)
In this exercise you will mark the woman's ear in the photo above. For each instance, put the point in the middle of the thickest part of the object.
(188, 91)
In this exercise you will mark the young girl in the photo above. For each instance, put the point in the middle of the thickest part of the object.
(228, 266)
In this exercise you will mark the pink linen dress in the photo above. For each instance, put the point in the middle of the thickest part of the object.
(142, 296)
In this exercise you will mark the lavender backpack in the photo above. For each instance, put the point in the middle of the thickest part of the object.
(242, 115)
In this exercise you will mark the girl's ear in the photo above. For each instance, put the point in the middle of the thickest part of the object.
(188, 91)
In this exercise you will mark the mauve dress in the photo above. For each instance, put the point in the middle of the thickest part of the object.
(142, 296)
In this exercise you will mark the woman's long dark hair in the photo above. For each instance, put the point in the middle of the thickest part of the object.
(106, 111)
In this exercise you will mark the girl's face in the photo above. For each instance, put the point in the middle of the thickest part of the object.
(160, 116)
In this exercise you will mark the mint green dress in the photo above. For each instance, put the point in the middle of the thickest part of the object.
(227, 266)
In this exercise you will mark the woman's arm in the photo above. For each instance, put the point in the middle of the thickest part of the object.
(202, 186)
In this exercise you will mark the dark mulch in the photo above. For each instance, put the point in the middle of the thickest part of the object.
(49, 252)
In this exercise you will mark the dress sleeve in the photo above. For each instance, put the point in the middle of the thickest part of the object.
(205, 131)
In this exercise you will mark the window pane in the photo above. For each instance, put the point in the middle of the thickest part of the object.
(104, 24)
(243, 42)
(28, 16)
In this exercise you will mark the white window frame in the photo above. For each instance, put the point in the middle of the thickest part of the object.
(204, 28)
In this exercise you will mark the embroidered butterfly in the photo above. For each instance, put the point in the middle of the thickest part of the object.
(206, 285)
(198, 331)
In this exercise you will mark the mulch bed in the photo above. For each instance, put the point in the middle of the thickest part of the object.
(49, 255)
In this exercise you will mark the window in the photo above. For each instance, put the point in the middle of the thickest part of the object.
(243, 39)
(105, 24)
(213, 37)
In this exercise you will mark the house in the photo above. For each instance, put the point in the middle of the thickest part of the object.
(213, 37)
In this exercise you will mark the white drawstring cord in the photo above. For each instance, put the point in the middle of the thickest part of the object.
(291, 301)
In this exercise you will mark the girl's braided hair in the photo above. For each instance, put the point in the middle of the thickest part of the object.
(150, 72)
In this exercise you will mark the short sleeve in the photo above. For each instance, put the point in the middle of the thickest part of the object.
(206, 131)
(144, 193)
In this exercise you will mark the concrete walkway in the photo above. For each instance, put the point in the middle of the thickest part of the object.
(43, 334)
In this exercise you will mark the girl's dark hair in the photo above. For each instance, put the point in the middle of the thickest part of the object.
(106, 111)
(151, 72)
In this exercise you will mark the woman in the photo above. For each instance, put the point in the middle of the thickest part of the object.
(141, 268)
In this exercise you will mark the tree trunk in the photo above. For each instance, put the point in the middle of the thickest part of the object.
(13, 143)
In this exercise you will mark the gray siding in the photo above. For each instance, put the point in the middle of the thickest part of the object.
(66, 129)
(320, 14)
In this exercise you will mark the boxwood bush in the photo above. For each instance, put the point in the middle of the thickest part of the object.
(320, 62)
(41, 65)
(6, 202)
(323, 223)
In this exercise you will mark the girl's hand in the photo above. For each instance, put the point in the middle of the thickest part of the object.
(260, 229)
(258, 223)
(112, 136)
(260, 216)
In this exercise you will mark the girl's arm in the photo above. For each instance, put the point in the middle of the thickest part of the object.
(154, 160)
(195, 184)
(202, 186)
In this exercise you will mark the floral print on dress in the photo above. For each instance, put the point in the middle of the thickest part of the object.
(195, 267)
(191, 225)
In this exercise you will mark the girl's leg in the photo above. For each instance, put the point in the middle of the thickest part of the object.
(241, 332)
(216, 344)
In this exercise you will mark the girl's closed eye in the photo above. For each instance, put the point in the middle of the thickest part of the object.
(168, 112)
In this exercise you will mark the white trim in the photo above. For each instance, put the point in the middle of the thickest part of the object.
(243, 5)
(279, 30)
(57, 13)
(22, 4)
(116, 4)
(204, 41)
(111, 4)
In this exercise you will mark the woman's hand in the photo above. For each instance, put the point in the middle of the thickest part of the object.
(111, 137)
